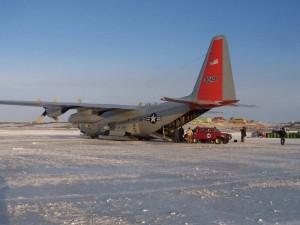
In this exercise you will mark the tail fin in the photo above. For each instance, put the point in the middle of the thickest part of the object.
(215, 81)
(214, 86)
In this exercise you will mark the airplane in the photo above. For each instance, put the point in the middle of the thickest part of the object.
(214, 88)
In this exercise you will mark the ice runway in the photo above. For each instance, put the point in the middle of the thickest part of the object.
(52, 176)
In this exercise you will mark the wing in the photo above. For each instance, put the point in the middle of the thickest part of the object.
(70, 105)
(55, 109)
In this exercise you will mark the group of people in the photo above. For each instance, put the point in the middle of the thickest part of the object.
(282, 135)
(179, 135)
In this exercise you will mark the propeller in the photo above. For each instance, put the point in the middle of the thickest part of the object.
(45, 113)
(52, 112)
(41, 117)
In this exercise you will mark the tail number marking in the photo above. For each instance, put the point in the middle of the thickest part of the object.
(210, 79)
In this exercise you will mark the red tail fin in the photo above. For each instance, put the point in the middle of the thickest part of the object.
(215, 82)
(214, 86)
(211, 83)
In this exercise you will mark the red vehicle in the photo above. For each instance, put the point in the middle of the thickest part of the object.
(210, 134)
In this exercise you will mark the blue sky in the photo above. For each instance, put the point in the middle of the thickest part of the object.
(126, 52)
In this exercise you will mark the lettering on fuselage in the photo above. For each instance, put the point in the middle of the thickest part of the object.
(153, 118)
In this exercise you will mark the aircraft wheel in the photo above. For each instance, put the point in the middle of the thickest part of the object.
(218, 141)
(195, 140)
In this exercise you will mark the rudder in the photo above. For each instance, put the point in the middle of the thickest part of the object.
(215, 81)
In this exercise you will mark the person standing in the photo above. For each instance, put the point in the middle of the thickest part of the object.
(243, 134)
(282, 134)
(181, 134)
(176, 135)
(189, 134)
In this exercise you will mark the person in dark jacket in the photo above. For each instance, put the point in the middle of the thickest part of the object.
(176, 135)
(243, 134)
(181, 134)
(282, 134)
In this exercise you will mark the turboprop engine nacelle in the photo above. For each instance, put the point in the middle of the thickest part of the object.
(53, 112)
(84, 118)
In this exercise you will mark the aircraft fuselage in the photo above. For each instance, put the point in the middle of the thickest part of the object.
(137, 123)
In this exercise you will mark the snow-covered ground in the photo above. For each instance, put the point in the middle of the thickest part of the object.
(52, 176)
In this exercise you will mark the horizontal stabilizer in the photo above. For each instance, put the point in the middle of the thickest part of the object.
(244, 105)
(200, 103)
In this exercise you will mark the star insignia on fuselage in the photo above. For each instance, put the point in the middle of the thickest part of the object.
(153, 118)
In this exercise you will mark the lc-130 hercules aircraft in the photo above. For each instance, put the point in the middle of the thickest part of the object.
(214, 88)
